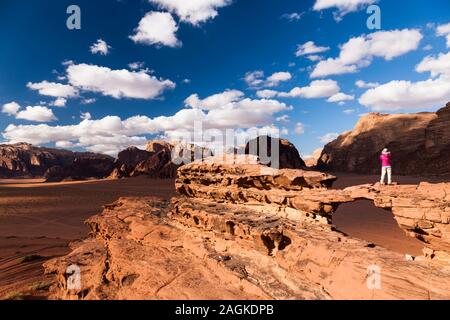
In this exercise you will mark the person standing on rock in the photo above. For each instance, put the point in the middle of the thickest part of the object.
(386, 166)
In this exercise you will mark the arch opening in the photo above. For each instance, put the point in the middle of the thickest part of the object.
(363, 220)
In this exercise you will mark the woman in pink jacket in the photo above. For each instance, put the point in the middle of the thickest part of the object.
(386, 166)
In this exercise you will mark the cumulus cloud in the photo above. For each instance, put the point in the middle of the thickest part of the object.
(365, 85)
(100, 47)
(341, 97)
(359, 52)
(193, 11)
(398, 95)
(60, 102)
(316, 89)
(215, 101)
(436, 65)
(256, 79)
(329, 137)
(37, 114)
(52, 89)
(267, 94)
(343, 6)
(136, 65)
(157, 28)
(11, 108)
(85, 116)
(117, 83)
(406, 95)
(444, 31)
(309, 48)
(226, 110)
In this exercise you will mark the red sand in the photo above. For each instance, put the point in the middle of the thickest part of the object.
(42, 219)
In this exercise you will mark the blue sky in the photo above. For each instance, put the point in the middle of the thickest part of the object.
(56, 90)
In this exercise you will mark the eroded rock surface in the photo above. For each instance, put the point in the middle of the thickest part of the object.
(240, 230)
(419, 144)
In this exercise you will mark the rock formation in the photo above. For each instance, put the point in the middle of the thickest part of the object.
(26, 161)
(240, 230)
(420, 144)
(160, 160)
(289, 157)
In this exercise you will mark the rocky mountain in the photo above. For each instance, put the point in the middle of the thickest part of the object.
(420, 144)
(161, 159)
(239, 230)
(27, 161)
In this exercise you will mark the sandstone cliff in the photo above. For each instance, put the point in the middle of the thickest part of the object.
(420, 144)
(240, 230)
(26, 161)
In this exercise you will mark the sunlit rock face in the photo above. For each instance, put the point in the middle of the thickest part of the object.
(420, 144)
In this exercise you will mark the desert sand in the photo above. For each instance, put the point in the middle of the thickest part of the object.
(38, 221)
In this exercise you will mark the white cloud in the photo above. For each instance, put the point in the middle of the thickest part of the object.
(117, 83)
(407, 95)
(37, 114)
(309, 48)
(11, 108)
(428, 47)
(344, 6)
(85, 116)
(444, 31)
(157, 28)
(294, 16)
(215, 101)
(341, 97)
(435, 65)
(111, 134)
(365, 85)
(100, 47)
(256, 79)
(193, 11)
(136, 65)
(349, 111)
(314, 58)
(52, 89)
(398, 95)
(316, 89)
(327, 138)
(278, 77)
(283, 118)
(88, 101)
(267, 94)
(299, 128)
(60, 102)
(359, 52)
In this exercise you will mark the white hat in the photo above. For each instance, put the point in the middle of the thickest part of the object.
(385, 150)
